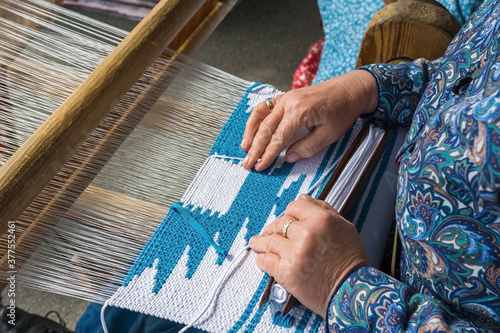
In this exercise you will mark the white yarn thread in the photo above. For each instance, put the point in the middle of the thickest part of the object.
(103, 320)
(215, 290)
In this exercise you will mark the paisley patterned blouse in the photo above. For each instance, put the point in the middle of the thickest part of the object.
(447, 208)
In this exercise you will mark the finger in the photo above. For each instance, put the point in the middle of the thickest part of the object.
(306, 197)
(259, 113)
(269, 243)
(266, 129)
(269, 229)
(320, 203)
(268, 262)
(277, 227)
(282, 136)
(304, 209)
(309, 145)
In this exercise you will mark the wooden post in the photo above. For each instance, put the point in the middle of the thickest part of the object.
(407, 30)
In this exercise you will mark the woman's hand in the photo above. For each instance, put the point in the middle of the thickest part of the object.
(320, 250)
(326, 109)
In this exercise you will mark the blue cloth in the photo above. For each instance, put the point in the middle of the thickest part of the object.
(447, 205)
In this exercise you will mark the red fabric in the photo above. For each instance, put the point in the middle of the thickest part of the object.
(308, 68)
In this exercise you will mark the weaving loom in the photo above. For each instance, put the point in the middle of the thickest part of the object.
(62, 208)
(187, 40)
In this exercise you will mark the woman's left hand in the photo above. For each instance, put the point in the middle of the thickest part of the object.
(320, 250)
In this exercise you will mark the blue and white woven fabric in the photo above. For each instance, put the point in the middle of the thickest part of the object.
(223, 208)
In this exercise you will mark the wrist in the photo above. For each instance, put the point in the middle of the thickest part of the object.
(367, 91)
(340, 279)
(338, 286)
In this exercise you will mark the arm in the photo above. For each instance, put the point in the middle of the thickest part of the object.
(323, 263)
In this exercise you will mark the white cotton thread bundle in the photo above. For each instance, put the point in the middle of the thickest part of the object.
(103, 317)
(341, 191)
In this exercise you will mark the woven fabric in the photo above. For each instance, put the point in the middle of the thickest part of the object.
(178, 267)
(222, 209)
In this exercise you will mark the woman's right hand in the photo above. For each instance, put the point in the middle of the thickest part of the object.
(319, 249)
(326, 109)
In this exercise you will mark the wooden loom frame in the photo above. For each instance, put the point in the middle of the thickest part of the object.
(29, 170)
(177, 24)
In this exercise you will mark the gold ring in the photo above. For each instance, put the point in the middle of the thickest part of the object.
(270, 105)
(285, 228)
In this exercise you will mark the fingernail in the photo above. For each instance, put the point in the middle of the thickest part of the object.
(252, 240)
(245, 160)
(264, 230)
(292, 157)
(243, 143)
(258, 162)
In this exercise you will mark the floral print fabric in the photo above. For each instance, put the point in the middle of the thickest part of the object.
(447, 205)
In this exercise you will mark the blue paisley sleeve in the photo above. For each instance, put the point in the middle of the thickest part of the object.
(371, 301)
(400, 88)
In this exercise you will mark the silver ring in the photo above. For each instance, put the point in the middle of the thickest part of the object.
(285, 228)
(270, 105)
